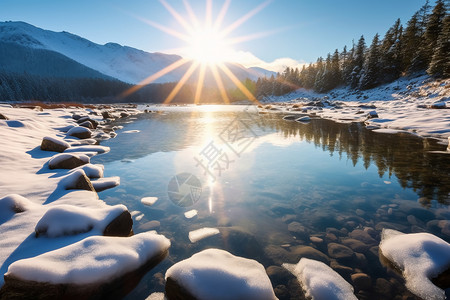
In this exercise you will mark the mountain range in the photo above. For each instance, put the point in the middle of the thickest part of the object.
(25, 48)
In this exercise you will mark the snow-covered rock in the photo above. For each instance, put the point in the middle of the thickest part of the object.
(13, 204)
(102, 184)
(90, 268)
(80, 132)
(69, 220)
(215, 274)
(190, 214)
(67, 161)
(91, 170)
(149, 201)
(202, 233)
(76, 180)
(54, 144)
(319, 281)
(420, 256)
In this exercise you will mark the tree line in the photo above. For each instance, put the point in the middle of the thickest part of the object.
(423, 45)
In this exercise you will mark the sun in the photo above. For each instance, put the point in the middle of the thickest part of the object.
(207, 46)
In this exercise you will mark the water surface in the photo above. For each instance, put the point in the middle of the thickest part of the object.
(270, 185)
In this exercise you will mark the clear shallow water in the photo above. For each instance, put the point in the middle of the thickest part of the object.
(272, 184)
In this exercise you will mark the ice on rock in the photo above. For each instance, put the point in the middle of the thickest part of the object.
(199, 234)
(88, 148)
(102, 184)
(420, 256)
(69, 220)
(94, 259)
(319, 281)
(217, 274)
(149, 201)
(190, 214)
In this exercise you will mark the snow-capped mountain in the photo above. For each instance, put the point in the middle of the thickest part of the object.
(112, 60)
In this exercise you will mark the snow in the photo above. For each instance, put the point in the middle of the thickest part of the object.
(156, 296)
(91, 170)
(102, 184)
(401, 105)
(190, 214)
(202, 233)
(131, 131)
(69, 219)
(217, 274)
(92, 148)
(149, 201)
(94, 259)
(420, 256)
(32, 194)
(320, 281)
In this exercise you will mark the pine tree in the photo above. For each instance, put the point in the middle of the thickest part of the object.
(391, 53)
(336, 74)
(411, 41)
(433, 29)
(371, 75)
(440, 62)
(357, 63)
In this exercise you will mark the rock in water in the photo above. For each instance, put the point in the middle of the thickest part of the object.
(216, 274)
(80, 271)
(52, 144)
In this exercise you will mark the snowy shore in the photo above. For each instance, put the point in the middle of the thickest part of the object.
(417, 105)
(52, 227)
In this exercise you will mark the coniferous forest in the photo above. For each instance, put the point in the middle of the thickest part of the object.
(421, 45)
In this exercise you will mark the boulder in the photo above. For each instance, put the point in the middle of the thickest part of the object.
(3, 117)
(217, 274)
(79, 182)
(309, 252)
(67, 161)
(372, 114)
(107, 115)
(80, 132)
(298, 230)
(129, 259)
(361, 281)
(53, 144)
(87, 124)
(340, 251)
(122, 225)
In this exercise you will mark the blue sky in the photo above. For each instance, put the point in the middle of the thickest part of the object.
(300, 30)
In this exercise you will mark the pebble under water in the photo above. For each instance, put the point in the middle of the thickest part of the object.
(279, 190)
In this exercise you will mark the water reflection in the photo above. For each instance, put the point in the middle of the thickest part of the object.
(291, 192)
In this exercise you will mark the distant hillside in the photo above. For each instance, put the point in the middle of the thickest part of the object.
(124, 63)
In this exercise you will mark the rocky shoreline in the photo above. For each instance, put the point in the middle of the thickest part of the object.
(65, 160)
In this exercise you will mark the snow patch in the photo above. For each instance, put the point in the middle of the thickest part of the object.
(149, 201)
(217, 274)
(320, 281)
(420, 256)
(202, 233)
(94, 259)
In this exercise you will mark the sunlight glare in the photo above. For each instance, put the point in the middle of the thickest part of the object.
(208, 47)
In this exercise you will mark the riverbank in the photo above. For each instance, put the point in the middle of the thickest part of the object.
(49, 207)
(419, 105)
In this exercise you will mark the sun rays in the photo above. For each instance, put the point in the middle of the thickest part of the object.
(208, 45)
